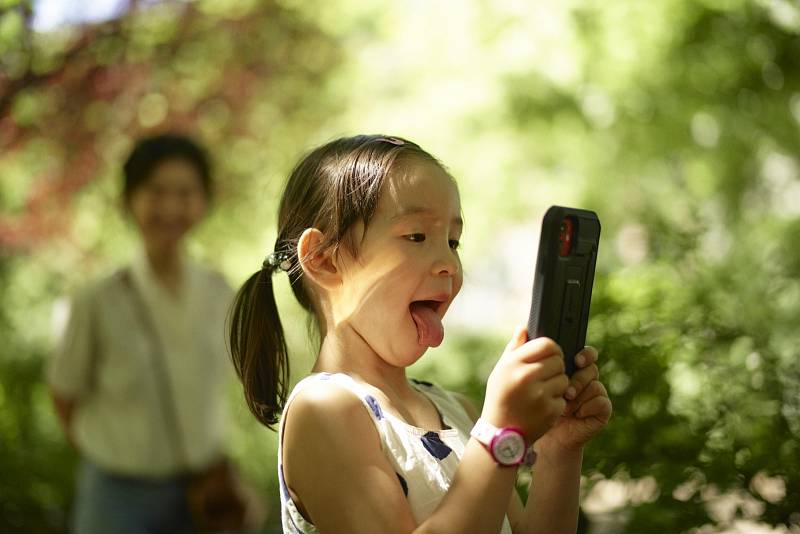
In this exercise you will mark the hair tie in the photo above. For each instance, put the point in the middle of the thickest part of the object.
(277, 261)
(392, 140)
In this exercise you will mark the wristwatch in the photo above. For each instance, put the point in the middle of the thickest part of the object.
(506, 445)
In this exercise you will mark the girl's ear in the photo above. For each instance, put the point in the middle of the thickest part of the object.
(318, 264)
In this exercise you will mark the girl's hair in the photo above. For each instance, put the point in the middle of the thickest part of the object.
(149, 152)
(330, 189)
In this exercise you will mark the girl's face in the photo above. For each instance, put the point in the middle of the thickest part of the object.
(395, 293)
(169, 203)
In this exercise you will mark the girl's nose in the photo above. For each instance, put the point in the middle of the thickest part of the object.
(447, 263)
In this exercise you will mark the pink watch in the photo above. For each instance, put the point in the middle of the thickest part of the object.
(506, 445)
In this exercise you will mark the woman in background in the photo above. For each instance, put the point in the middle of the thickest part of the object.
(138, 376)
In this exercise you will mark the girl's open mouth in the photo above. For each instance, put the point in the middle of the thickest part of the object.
(430, 331)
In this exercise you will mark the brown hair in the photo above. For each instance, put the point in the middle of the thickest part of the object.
(331, 188)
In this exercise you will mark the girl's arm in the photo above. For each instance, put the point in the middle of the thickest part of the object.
(515, 511)
(333, 460)
(554, 490)
(552, 505)
(553, 498)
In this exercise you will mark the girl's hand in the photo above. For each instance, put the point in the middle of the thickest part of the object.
(527, 385)
(588, 407)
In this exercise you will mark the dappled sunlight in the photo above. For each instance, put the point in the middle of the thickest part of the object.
(677, 122)
(606, 502)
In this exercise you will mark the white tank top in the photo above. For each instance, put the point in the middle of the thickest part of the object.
(425, 461)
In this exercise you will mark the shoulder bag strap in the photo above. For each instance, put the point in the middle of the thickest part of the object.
(160, 368)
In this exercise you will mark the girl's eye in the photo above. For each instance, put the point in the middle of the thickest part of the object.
(416, 238)
(454, 244)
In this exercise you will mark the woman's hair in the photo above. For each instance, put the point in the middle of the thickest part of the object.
(331, 188)
(149, 152)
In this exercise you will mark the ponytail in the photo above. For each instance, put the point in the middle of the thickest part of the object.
(258, 348)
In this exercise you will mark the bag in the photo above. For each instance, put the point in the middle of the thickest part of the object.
(217, 499)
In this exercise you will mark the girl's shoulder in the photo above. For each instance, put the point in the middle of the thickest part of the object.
(319, 389)
(330, 395)
(324, 420)
(327, 437)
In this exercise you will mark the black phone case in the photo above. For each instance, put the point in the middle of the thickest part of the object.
(562, 285)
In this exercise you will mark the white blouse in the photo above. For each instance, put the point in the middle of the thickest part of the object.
(105, 360)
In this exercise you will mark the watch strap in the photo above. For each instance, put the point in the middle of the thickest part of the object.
(484, 431)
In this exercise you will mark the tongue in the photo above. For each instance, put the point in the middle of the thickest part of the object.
(430, 331)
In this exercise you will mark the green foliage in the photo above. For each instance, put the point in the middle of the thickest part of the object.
(684, 140)
(689, 160)
(676, 121)
(234, 74)
(36, 463)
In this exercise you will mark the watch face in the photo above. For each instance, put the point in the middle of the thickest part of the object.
(508, 447)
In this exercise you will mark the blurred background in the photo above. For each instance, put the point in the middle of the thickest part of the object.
(677, 121)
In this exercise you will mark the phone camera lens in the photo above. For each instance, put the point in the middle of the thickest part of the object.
(565, 237)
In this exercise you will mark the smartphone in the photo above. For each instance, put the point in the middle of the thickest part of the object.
(562, 284)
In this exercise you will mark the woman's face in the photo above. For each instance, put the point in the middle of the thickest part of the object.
(169, 203)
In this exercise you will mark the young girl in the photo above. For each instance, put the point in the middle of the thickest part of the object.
(368, 233)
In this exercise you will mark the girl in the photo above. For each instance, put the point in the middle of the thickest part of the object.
(368, 233)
